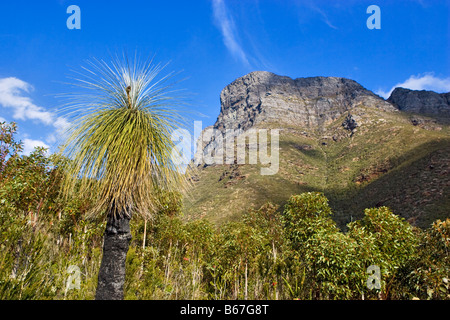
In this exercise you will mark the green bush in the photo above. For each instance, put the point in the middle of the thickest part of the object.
(427, 275)
(391, 240)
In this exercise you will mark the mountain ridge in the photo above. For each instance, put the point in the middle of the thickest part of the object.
(262, 89)
(421, 101)
(336, 137)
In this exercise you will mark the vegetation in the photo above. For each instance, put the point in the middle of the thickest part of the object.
(388, 161)
(299, 254)
(121, 154)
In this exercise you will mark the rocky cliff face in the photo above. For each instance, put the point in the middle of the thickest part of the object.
(421, 101)
(310, 102)
(263, 97)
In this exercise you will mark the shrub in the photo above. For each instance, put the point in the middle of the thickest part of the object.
(391, 241)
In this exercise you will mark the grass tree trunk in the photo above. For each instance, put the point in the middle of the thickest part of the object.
(111, 277)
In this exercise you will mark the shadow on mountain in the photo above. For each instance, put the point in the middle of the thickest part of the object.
(417, 189)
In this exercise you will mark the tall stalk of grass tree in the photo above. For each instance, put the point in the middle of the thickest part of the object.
(121, 152)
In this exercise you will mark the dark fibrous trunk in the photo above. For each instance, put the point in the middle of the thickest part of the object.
(111, 277)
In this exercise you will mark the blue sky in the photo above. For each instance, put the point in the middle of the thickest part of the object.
(214, 42)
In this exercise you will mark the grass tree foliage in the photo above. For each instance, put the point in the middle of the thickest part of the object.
(120, 152)
(299, 254)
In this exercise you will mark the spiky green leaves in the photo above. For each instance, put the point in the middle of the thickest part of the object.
(120, 143)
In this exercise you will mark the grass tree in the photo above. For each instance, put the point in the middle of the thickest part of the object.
(120, 151)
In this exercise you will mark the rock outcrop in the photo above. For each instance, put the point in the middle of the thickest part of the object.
(263, 97)
(350, 123)
(310, 102)
(421, 101)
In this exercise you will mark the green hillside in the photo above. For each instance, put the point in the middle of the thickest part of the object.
(388, 160)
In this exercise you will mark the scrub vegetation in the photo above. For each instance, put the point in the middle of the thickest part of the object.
(299, 253)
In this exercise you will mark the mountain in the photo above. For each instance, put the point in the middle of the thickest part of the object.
(423, 101)
(333, 136)
(263, 96)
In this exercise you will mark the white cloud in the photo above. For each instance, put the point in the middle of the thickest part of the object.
(421, 82)
(61, 124)
(30, 144)
(228, 29)
(12, 96)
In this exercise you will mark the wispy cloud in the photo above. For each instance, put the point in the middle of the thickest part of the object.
(324, 17)
(14, 96)
(309, 10)
(421, 82)
(225, 23)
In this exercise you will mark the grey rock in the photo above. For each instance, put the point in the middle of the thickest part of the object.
(350, 123)
(311, 102)
(263, 97)
(417, 121)
(421, 101)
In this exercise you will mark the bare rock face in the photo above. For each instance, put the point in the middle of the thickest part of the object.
(263, 97)
(310, 102)
(421, 101)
